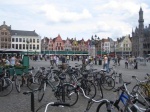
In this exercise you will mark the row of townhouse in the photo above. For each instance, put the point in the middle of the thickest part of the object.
(27, 41)
(30, 41)
(122, 46)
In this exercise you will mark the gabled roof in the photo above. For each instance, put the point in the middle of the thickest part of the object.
(23, 33)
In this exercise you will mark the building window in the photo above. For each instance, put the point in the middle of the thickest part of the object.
(5, 39)
(33, 46)
(37, 46)
(33, 40)
(20, 39)
(16, 39)
(20, 47)
(13, 46)
(16, 46)
(37, 40)
(23, 39)
(30, 46)
(13, 39)
(5, 33)
(60, 44)
(23, 46)
(5, 46)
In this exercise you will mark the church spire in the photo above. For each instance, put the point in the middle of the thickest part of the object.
(141, 20)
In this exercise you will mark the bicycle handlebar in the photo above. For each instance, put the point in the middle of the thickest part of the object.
(56, 104)
(96, 101)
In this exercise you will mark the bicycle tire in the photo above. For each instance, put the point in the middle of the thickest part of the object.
(108, 83)
(104, 109)
(86, 86)
(142, 92)
(4, 90)
(99, 90)
(68, 94)
(18, 81)
(41, 91)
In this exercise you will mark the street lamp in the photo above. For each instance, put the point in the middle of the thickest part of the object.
(27, 45)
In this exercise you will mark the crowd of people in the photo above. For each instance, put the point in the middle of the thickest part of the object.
(10, 60)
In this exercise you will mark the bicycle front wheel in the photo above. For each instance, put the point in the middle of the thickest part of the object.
(33, 82)
(18, 81)
(105, 107)
(88, 87)
(99, 94)
(108, 82)
(41, 91)
(6, 87)
(68, 94)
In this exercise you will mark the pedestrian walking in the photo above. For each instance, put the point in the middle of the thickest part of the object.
(126, 63)
(105, 65)
(68, 59)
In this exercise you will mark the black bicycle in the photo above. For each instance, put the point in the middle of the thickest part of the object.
(64, 92)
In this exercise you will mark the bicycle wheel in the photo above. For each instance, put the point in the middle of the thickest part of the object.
(68, 94)
(142, 92)
(33, 82)
(18, 81)
(105, 107)
(41, 91)
(99, 94)
(88, 87)
(108, 82)
(6, 87)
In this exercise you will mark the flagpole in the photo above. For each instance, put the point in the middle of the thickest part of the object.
(101, 49)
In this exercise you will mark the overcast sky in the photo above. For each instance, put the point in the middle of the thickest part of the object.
(74, 18)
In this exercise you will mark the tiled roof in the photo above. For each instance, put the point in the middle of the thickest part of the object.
(23, 33)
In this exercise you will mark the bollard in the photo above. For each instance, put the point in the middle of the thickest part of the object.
(120, 78)
(32, 102)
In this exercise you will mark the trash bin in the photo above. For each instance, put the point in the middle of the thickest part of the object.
(100, 62)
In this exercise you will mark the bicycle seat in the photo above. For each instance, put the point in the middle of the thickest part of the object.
(62, 77)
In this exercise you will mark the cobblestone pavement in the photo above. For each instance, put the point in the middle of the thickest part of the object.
(17, 102)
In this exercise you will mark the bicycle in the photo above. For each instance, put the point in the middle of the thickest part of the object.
(62, 92)
(86, 84)
(142, 89)
(6, 85)
(129, 101)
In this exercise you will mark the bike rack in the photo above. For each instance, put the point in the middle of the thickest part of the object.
(32, 98)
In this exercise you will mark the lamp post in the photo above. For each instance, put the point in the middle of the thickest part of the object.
(27, 46)
(129, 49)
